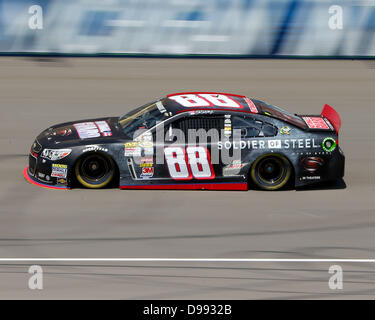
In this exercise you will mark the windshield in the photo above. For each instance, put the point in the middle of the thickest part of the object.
(280, 113)
(144, 117)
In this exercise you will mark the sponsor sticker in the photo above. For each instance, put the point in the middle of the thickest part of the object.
(146, 144)
(95, 129)
(61, 181)
(233, 168)
(274, 144)
(160, 106)
(147, 173)
(315, 122)
(146, 165)
(236, 164)
(132, 149)
(94, 148)
(34, 154)
(310, 178)
(270, 144)
(146, 162)
(227, 126)
(251, 105)
(285, 130)
(59, 170)
(201, 112)
(104, 128)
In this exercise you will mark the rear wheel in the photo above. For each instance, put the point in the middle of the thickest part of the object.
(271, 171)
(95, 171)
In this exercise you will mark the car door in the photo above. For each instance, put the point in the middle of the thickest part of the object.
(189, 149)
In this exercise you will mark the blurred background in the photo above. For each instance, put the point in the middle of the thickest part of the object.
(180, 27)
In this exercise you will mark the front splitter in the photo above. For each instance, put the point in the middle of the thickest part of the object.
(39, 184)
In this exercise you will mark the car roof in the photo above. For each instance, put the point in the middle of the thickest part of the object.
(218, 101)
(204, 100)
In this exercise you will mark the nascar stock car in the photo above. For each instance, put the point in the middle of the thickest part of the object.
(191, 140)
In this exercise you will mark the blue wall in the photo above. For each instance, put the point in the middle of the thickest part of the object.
(236, 27)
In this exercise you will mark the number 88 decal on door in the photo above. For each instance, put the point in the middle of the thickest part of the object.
(189, 163)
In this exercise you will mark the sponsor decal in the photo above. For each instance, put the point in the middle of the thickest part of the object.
(227, 126)
(196, 112)
(160, 106)
(233, 168)
(145, 139)
(310, 178)
(61, 181)
(147, 144)
(309, 143)
(329, 144)
(315, 122)
(95, 129)
(251, 105)
(285, 130)
(94, 148)
(146, 165)
(41, 175)
(274, 144)
(312, 164)
(59, 170)
(104, 128)
(131, 144)
(147, 173)
(34, 154)
(146, 162)
(132, 149)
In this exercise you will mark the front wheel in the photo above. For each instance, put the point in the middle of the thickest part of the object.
(94, 171)
(271, 171)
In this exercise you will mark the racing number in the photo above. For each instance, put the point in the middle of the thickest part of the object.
(177, 163)
(205, 100)
(186, 164)
(191, 100)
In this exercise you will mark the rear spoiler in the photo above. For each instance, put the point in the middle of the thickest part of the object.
(329, 119)
(332, 116)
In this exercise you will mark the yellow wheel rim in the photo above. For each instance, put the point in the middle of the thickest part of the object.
(280, 181)
(89, 181)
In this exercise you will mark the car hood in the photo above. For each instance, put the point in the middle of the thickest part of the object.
(98, 130)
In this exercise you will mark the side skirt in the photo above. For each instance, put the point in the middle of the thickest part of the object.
(190, 186)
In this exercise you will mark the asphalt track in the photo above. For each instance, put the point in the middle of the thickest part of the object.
(332, 221)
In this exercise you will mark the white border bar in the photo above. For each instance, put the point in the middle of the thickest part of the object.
(180, 260)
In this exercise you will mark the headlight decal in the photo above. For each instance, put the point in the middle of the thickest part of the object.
(55, 154)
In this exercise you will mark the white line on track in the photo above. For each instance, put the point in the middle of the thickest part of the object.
(180, 260)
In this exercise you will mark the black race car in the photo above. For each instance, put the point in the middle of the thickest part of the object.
(191, 140)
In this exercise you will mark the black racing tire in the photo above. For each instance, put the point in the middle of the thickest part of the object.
(271, 171)
(94, 170)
